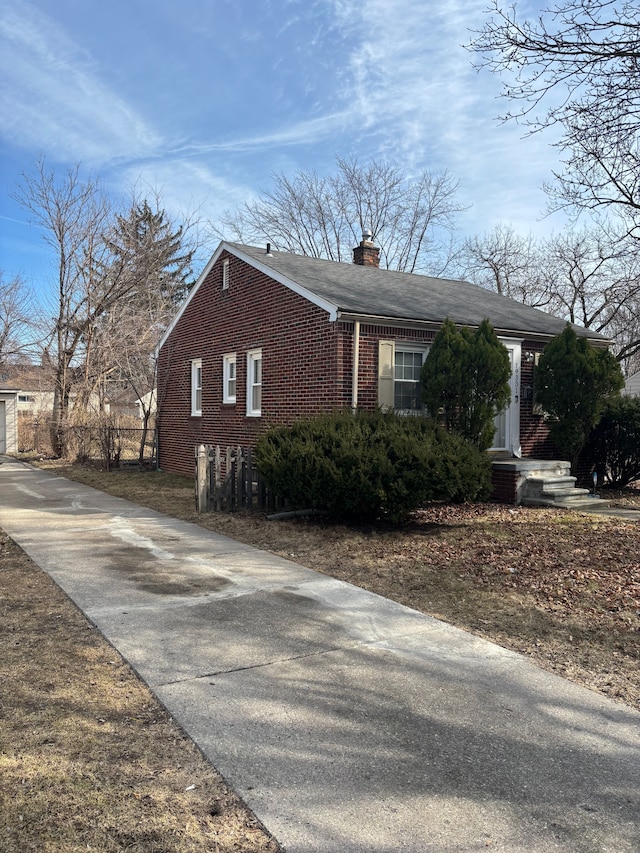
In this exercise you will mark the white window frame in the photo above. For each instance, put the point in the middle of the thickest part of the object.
(196, 387)
(413, 348)
(230, 375)
(225, 274)
(253, 357)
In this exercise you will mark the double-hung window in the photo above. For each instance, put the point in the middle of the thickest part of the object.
(196, 387)
(407, 366)
(399, 369)
(229, 378)
(254, 383)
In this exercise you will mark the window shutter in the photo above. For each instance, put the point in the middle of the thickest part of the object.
(386, 352)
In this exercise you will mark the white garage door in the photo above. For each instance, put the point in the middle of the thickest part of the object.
(3, 428)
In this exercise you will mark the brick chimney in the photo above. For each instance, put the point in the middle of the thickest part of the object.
(366, 254)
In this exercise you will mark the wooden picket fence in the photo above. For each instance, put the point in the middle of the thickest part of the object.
(228, 480)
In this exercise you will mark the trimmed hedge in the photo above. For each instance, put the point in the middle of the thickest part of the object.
(371, 466)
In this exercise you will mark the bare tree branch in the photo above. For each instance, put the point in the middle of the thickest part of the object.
(411, 219)
(579, 62)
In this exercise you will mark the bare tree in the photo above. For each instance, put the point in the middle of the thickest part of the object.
(598, 282)
(585, 276)
(510, 264)
(579, 61)
(159, 265)
(128, 337)
(73, 215)
(17, 319)
(411, 219)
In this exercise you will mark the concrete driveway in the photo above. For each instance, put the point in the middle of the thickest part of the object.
(348, 723)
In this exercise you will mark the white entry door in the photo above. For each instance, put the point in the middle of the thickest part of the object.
(507, 435)
(3, 427)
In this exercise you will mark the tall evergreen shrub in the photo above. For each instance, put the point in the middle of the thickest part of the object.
(613, 447)
(465, 381)
(573, 383)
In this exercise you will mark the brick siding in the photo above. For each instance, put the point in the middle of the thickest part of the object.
(305, 360)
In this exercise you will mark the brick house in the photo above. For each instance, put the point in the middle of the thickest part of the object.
(268, 337)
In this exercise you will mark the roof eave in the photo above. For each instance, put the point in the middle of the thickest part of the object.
(434, 325)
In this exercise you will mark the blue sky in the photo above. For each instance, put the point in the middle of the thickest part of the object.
(203, 100)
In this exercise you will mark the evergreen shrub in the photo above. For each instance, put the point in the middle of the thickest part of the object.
(613, 448)
(370, 466)
(573, 383)
(465, 381)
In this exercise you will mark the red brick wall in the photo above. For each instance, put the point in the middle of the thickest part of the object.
(306, 363)
(504, 486)
(534, 433)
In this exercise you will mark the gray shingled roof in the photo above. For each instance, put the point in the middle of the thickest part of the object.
(372, 292)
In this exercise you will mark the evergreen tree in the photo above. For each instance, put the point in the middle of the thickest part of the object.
(465, 381)
(149, 253)
(153, 253)
(490, 372)
(443, 376)
(573, 383)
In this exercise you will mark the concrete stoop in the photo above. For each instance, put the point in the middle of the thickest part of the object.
(549, 483)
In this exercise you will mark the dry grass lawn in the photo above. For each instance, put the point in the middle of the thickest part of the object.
(91, 762)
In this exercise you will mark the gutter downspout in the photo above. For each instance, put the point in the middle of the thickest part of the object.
(356, 359)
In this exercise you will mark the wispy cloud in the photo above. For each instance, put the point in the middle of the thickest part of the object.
(308, 132)
(413, 83)
(52, 99)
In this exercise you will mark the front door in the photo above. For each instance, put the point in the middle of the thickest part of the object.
(507, 435)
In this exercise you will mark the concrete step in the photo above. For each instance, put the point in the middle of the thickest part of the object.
(577, 502)
(557, 489)
(561, 493)
(540, 485)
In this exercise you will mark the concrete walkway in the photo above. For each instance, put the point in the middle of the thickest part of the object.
(348, 723)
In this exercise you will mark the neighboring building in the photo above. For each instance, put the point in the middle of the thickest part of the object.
(146, 403)
(632, 386)
(267, 337)
(35, 389)
(8, 420)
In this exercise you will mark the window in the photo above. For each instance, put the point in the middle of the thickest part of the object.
(229, 378)
(254, 383)
(225, 274)
(407, 365)
(399, 368)
(196, 387)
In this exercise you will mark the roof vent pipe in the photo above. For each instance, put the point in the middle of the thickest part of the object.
(269, 250)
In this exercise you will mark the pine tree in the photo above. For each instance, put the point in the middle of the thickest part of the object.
(443, 376)
(490, 371)
(144, 243)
